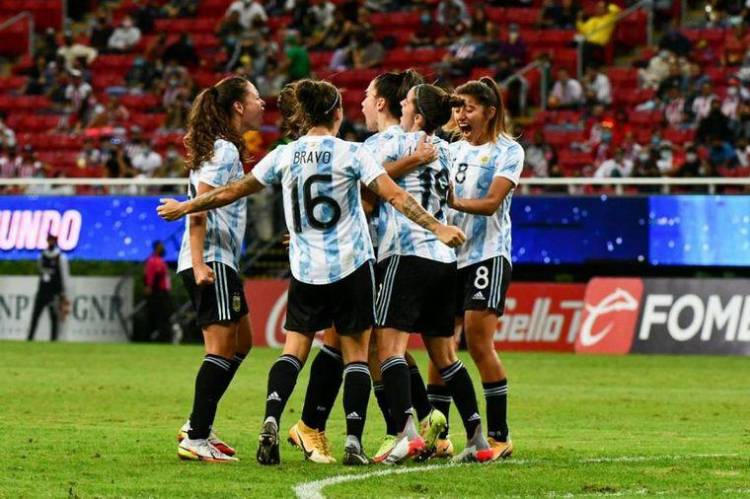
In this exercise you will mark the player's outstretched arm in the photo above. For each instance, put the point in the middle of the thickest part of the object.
(487, 205)
(387, 189)
(171, 209)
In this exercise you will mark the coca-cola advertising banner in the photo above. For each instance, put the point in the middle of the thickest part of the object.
(680, 316)
(538, 316)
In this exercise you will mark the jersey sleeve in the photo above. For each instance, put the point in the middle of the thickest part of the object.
(218, 170)
(510, 164)
(267, 171)
(366, 167)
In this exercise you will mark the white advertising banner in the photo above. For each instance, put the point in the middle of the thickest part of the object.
(97, 310)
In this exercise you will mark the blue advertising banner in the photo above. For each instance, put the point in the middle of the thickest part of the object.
(88, 227)
(553, 230)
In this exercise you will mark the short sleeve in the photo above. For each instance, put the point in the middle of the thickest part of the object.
(267, 171)
(366, 167)
(218, 170)
(510, 164)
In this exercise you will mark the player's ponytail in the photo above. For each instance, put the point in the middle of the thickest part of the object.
(318, 102)
(435, 105)
(210, 119)
(393, 87)
(487, 94)
(292, 119)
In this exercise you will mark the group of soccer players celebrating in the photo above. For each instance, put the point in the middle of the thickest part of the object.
(402, 234)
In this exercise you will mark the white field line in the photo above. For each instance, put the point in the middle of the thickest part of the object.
(314, 489)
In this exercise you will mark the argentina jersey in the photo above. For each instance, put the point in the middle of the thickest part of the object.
(473, 170)
(385, 147)
(428, 184)
(225, 226)
(320, 178)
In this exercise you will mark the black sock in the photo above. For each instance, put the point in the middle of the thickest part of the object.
(235, 363)
(208, 384)
(281, 381)
(357, 385)
(380, 396)
(326, 374)
(440, 398)
(397, 382)
(496, 397)
(419, 394)
(458, 381)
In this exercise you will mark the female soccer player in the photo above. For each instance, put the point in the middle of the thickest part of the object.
(210, 252)
(382, 110)
(487, 166)
(331, 254)
(415, 272)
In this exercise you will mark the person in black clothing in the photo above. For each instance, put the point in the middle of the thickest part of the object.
(53, 268)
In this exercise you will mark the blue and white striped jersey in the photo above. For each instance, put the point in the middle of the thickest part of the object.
(385, 147)
(225, 226)
(429, 185)
(320, 178)
(473, 170)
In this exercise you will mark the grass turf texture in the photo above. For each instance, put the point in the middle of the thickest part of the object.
(100, 421)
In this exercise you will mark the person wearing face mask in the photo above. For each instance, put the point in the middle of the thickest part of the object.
(125, 37)
(157, 286)
(248, 10)
(731, 103)
(146, 161)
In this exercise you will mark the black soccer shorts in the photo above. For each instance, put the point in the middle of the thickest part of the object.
(222, 301)
(483, 286)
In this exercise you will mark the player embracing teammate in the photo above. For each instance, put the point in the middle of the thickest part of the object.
(423, 282)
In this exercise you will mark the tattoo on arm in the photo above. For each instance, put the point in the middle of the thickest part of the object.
(414, 212)
(208, 200)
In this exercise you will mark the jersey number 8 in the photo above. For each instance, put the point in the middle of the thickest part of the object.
(310, 203)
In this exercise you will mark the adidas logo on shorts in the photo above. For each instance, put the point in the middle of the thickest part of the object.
(274, 396)
(474, 417)
(353, 416)
(478, 296)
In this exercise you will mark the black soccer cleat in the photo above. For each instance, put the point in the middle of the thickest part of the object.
(354, 455)
(268, 444)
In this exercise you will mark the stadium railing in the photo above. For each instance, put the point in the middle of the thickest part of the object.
(574, 185)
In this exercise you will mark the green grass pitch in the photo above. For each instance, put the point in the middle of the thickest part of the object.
(100, 421)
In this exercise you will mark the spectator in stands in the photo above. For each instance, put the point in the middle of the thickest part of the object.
(249, 10)
(657, 69)
(597, 30)
(113, 114)
(674, 107)
(7, 135)
(182, 51)
(540, 156)
(597, 87)
(297, 64)
(47, 45)
(513, 49)
(230, 31)
(615, 167)
(145, 14)
(742, 151)
(424, 33)
(674, 41)
(125, 37)
(460, 58)
(90, 155)
(674, 80)
(731, 104)
(72, 52)
(100, 31)
(10, 160)
(140, 78)
(693, 166)
(479, 24)
(180, 8)
(36, 84)
(322, 12)
(743, 73)
(368, 52)
(117, 163)
(452, 12)
(175, 99)
(567, 92)
(30, 166)
(665, 158)
(721, 155)
(714, 124)
(77, 98)
(147, 161)
(645, 164)
(155, 50)
(334, 36)
(559, 15)
(703, 103)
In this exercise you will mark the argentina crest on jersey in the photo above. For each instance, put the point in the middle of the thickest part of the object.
(474, 169)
